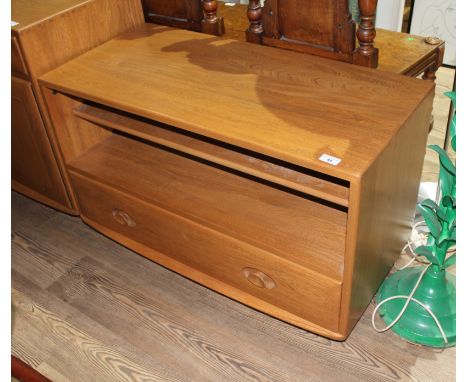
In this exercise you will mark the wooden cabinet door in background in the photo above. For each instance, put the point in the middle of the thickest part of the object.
(195, 15)
(319, 27)
(34, 169)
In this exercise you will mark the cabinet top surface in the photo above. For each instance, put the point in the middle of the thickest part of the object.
(287, 105)
(29, 12)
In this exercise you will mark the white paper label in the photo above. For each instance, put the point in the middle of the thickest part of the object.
(330, 159)
(13, 23)
(230, 4)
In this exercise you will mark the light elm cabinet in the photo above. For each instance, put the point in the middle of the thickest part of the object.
(206, 155)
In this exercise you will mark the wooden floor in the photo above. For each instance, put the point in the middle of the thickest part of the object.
(86, 309)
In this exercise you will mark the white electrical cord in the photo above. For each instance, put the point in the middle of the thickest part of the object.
(420, 237)
(410, 297)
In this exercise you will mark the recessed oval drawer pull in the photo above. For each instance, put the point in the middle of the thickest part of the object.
(123, 218)
(258, 278)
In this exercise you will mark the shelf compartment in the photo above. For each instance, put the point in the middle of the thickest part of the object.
(294, 177)
(295, 226)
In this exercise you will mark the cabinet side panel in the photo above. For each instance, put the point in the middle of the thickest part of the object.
(384, 203)
(33, 167)
(74, 135)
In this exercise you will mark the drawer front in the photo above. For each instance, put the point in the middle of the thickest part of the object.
(308, 295)
(18, 65)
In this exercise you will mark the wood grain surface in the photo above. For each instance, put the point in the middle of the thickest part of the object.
(29, 12)
(34, 167)
(107, 314)
(67, 28)
(384, 204)
(18, 65)
(405, 53)
(297, 102)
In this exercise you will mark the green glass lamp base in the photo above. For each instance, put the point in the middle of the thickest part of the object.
(436, 291)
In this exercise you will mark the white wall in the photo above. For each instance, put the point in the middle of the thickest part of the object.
(390, 14)
(436, 18)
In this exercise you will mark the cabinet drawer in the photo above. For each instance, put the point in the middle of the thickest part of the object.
(18, 65)
(306, 294)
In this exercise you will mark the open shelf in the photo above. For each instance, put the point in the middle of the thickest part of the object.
(294, 177)
(293, 225)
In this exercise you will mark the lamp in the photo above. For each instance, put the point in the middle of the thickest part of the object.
(419, 303)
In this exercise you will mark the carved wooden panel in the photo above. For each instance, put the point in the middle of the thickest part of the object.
(319, 27)
(315, 26)
(196, 15)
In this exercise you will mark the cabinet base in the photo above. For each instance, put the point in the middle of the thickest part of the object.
(214, 284)
(30, 193)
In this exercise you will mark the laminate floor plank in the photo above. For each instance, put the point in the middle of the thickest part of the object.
(20, 347)
(202, 350)
(38, 260)
(119, 301)
(75, 346)
(29, 215)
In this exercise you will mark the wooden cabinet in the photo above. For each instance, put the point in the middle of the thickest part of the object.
(34, 168)
(48, 34)
(289, 193)
(401, 53)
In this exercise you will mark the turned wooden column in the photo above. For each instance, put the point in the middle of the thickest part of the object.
(211, 23)
(254, 14)
(430, 73)
(366, 54)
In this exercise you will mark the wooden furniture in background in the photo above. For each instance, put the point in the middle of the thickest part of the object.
(409, 55)
(247, 209)
(320, 27)
(196, 15)
(48, 34)
(401, 53)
